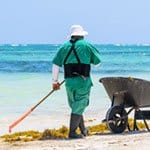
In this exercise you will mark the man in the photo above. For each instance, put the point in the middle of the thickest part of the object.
(76, 56)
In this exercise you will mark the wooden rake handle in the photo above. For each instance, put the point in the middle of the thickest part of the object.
(31, 109)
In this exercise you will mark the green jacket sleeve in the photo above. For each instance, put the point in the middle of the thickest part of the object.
(58, 59)
(95, 55)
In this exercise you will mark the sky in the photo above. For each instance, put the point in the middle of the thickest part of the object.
(49, 21)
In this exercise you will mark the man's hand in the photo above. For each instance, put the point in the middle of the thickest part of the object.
(56, 86)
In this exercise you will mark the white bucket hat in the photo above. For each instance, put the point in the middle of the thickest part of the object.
(77, 30)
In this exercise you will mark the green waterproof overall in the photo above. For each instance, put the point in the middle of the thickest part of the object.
(78, 88)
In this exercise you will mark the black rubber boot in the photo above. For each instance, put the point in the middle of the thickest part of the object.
(74, 124)
(83, 130)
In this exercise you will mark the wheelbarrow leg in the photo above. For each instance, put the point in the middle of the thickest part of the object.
(128, 126)
(135, 127)
(127, 115)
(144, 120)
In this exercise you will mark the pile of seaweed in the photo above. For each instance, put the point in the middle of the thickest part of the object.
(61, 133)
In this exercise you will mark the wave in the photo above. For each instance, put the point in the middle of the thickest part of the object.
(25, 66)
(45, 66)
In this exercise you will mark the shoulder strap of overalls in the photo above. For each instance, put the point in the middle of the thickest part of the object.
(72, 49)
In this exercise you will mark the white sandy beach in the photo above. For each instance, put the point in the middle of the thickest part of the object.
(54, 113)
(125, 141)
(135, 140)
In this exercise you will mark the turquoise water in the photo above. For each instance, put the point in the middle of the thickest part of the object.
(21, 91)
(25, 76)
(37, 58)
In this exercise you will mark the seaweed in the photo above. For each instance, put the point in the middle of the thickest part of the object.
(61, 133)
(22, 136)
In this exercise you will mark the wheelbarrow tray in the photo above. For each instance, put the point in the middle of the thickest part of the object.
(136, 91)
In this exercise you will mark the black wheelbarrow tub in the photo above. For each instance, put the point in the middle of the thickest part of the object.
(136, 91)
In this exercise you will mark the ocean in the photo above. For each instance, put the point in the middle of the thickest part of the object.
(116, 59)
(25, 78)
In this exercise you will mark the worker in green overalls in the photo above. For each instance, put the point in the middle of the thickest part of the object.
(75, 56)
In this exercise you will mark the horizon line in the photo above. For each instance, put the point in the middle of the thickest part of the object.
(116, 44)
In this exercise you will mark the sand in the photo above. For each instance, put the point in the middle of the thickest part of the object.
(126, 141)
(136, 140)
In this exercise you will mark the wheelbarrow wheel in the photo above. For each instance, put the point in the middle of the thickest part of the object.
(116, 119)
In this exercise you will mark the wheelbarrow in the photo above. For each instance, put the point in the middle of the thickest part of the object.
(126, 95)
